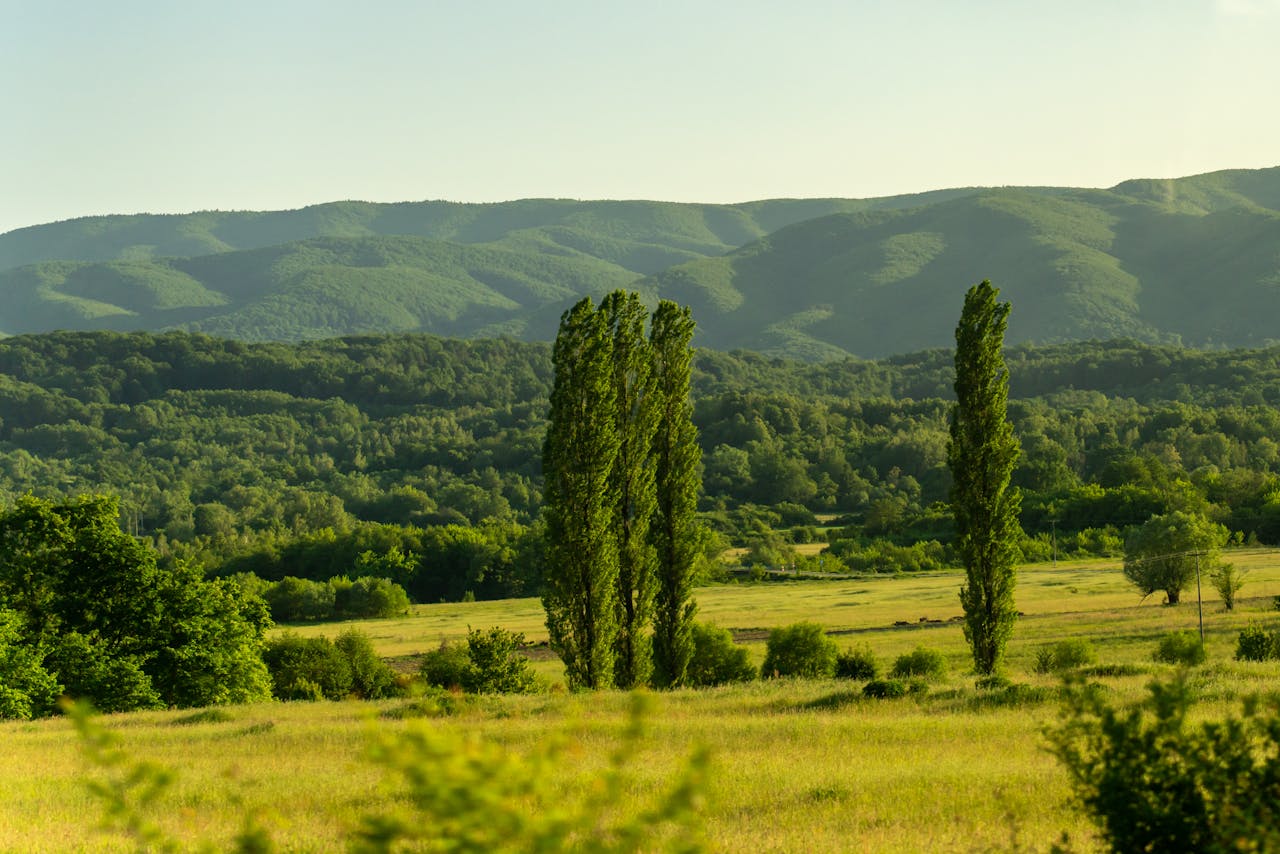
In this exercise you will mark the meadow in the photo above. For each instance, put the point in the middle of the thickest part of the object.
(795, 765)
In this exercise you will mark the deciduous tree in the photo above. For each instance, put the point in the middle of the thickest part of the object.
(675, 528)
(981, 454)
(580, 593)
(631, 484)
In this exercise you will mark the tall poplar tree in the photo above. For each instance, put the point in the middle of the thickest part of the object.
(675, 532)
(580, 594)
(632, 484)
(981, 455)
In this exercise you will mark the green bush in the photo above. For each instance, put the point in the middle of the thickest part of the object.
(368, 598)
(857, 663)
(885, 689)
(489, 663)
(296, 600)
(446, 666)
(1257, 644)
(801, 649)
(1182, 647)
(716, 659)
(1064, 655)
(495, 665)
(921, 662)
(1153, 782)
(302, 667)
(371, 677)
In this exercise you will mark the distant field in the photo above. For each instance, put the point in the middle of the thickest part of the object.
(797, 765)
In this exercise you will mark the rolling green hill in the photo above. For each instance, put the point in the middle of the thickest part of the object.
(1192, 260)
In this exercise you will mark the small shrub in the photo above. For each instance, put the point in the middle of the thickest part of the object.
(994, 682)
(495, 665)
(371, 677)
(1182, 647)
(717, 660)
(921, 662)
(1153, 781)
(447, 666)
(857, 664)
(1227, 580)
(306, 668)
(885, 689)
(1064, 655)
(801, 649)
(1257, 644)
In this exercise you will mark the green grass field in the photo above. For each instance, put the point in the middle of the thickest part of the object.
(796, 765)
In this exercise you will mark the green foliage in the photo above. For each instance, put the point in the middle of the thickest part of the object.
(1182, 647)
(113, 627)
(885, 689)
(921, 662)
(1166, 551)
(676, 534)
(632, 483)
(580, 595)
(89, 669)
(297, 600)
(1227, 580)
(371, 677)
(448, 666)
(859, 663)
(301, 666)
(716, 659)
(1152, 781)
(27, 689)
(1065, 655)
(496, 665)
(981, 456)
(801, 649)
(882, 556)
(489, 663)
(1255, 643)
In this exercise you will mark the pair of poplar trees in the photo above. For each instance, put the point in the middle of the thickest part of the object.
(620, 466)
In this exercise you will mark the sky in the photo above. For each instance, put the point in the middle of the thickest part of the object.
(137, 106)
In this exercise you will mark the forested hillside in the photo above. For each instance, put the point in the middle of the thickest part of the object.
(299, 458)
(1194, 261)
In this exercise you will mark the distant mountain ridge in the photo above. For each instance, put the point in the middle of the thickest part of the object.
(1192, 260)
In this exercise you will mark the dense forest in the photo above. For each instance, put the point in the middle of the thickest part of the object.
(1187, 261)
(418, 458)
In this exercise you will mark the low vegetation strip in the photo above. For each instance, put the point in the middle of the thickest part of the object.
(796, 764)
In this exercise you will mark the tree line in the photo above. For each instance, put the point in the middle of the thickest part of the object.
(233, 455)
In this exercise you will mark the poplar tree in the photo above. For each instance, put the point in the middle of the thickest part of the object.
(580, 593)
(981, 455)
(677, 456)
(632, 484)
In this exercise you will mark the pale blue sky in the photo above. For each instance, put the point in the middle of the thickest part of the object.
(141, 105)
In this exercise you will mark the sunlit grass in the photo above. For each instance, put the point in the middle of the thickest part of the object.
(797, 766)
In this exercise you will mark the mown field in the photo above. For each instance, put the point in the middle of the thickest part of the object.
(796, 765)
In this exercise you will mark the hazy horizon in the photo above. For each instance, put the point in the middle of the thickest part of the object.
(145, 107)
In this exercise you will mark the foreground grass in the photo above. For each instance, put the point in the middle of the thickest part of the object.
(797, 765)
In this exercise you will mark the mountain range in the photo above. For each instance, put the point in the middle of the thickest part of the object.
(1193, 260)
